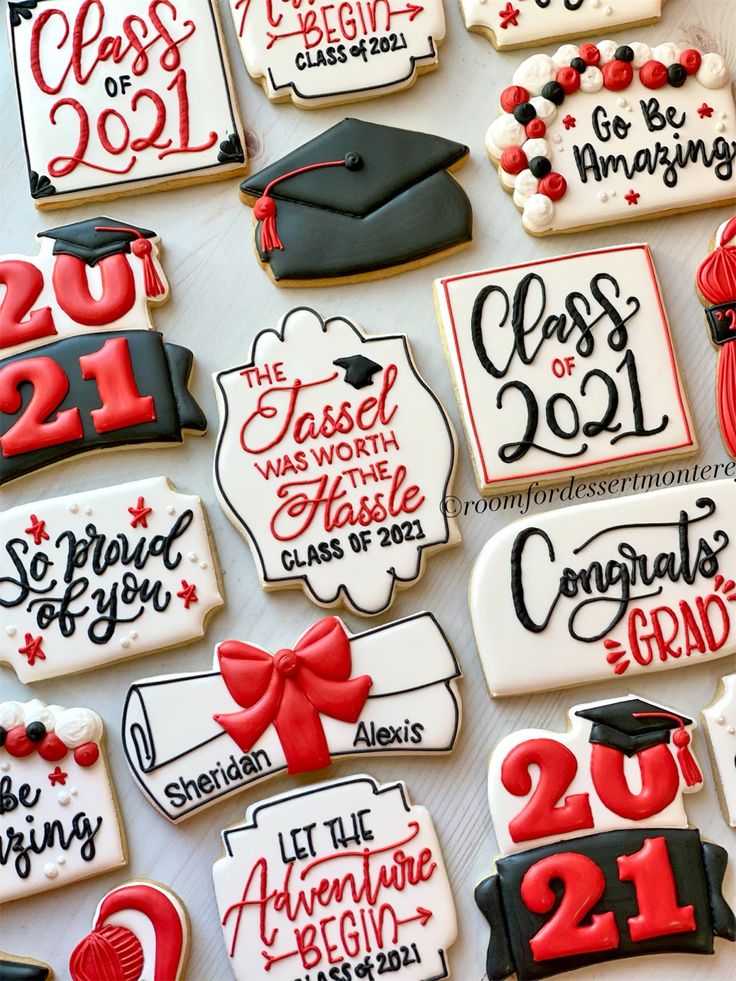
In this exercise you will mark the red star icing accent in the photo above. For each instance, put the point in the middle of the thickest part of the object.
(188, 593)
(140, 513)
(58, 776)
(569, 122)
(37, 529)
(632, 197)
(32, 649)
(705, 111)
(508, 16)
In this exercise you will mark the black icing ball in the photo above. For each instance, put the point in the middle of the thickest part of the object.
(579, 64)
(624, 53)
(353, 160)
(524, 113)
(540, 166)
(677, 75)
(35, 731)
(554, 92)
(3, 734)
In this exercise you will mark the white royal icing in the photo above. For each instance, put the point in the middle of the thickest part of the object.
(104, 111)
(564, 632)
(413, 706)
(720, 725)
(348, 830)
(645, 130)
(337, 53)
(345, 509)
(516, 355)
(78, 798)
(94, 616)
(523, 23)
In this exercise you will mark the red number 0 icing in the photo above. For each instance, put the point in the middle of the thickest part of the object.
(584, 884)
(122, 403)
(650, 870)
(32, 431)
(542, 816)
(23, 283)
(72, 291)
(660, 781)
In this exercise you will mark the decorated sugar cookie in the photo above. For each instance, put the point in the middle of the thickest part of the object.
(58, 821)
(140, 932)
(320, 462)
(326, 54)
(343, 876)
(81, 370)
(627, 586)
(720, 726)
(358, 202)
(122, 98)
(526, 23)
(14, 968)
(598, 862)
(96, 576)
(716, 284)
(607, 133)
(257, 713)
(563, 366)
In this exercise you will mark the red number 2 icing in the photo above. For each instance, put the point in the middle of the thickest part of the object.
(23, 283)
(542, 815)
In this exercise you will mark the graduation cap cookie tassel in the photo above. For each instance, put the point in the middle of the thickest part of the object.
(142, 248)
(265, 207)
(681, 739)
(716, 280)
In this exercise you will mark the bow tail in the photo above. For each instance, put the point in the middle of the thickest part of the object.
(247, 726)
(300, 731)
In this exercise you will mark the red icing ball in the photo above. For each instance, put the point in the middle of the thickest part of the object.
(569, 79)
(590, 54)
(690, 60)
(653, 74)
(514, 160)
(87, 754)
(535, 129)
(513, 96)
(17, 742)
(51, 748)
(617, 75)
(553, 186)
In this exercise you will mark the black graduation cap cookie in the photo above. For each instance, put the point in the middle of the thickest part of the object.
(359, 201)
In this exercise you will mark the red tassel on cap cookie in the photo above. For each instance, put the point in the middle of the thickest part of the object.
(681, 738)
(109, 953)
(142, 249)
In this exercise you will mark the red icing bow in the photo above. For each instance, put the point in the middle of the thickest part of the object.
(291, 689)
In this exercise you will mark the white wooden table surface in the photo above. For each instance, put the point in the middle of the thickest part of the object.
(221, 298)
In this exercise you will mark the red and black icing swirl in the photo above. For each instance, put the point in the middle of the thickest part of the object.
(716, 281)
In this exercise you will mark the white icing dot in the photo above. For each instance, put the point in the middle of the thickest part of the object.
(88, 510)
(622, 103)
(534, 73)
(537, 148)
(134, 635)
(73, 791)
(538, 212)
(723, 115)
(720, 721)
(720, 127)
(564, 55)
(557, 138)
(192, 556)
(4, 766)
(11, 631)
(591, 80)
(60, 860)
(73, 508)
(63, 798)
(612, 194)
(125, 642)
(607, 50)
(546, 110)
(642, 53)
(596, 4)
(608, 11)
(713, 72)
(202, 565)
(504, 132)
(50, 870)
(171, 509)
(602, 196)
(730, 730)
(668, 53)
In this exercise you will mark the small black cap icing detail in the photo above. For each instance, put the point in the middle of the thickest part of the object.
(353, 160)
(624, 53)
(554, 92)
(35, 731)
(540, 166)
(631, 724)
(84, 240)
(579, 64)
(677, 75)
(524, 113)
(359, 370)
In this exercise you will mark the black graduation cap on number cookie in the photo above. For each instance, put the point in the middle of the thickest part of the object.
(95, 239)
(360, 200)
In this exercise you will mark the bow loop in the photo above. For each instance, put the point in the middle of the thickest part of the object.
(325, 648)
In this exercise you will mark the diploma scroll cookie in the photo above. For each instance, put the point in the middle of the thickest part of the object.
(593, 819)
(59, 821)
(720, 727)
(320, 462)
(716, 285)
(563, 366)
(627, 586)
(512, 24)
(98, 576)
(118, 98)
(391, 690)
(601, 134)
(344, 876)
(81, 370)
(328, 54)
(140, 933)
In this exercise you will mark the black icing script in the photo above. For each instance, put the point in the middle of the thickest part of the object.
(610, 586)
(66, 598)
(605, 311)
